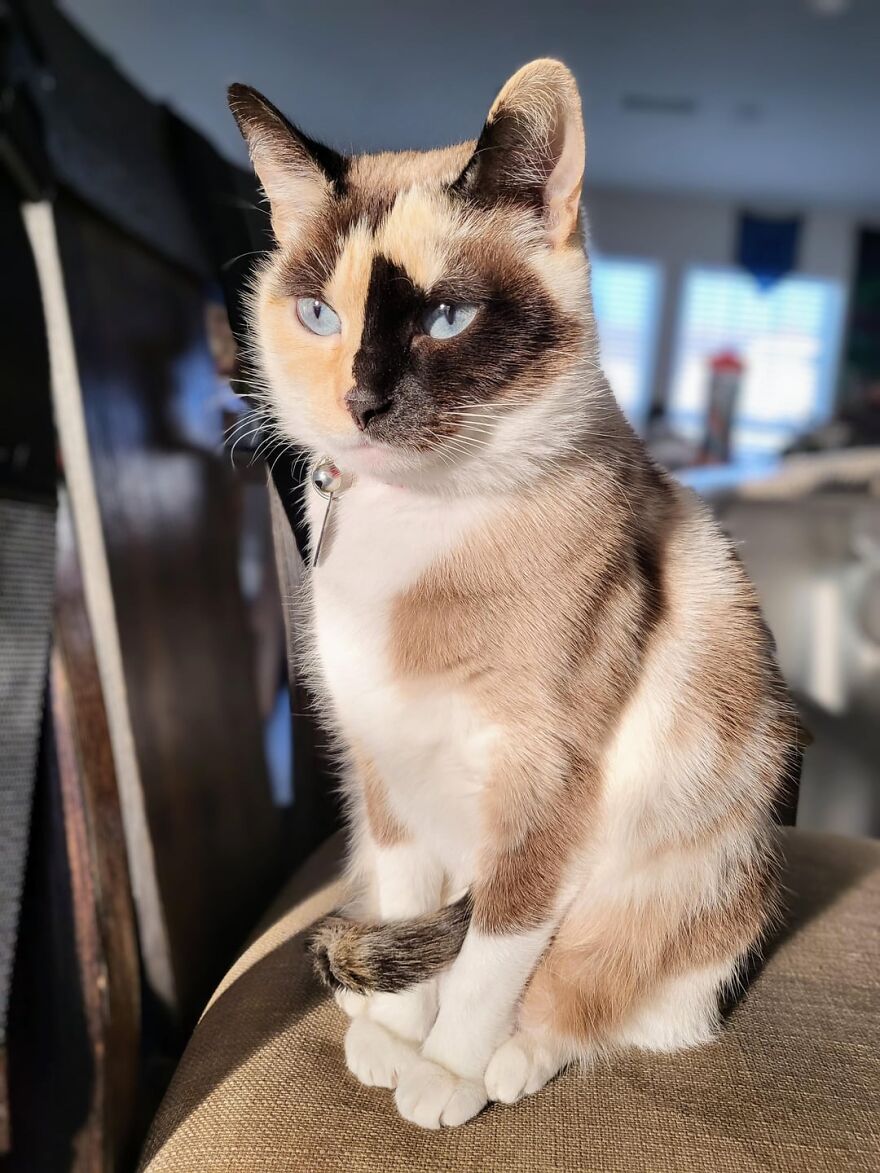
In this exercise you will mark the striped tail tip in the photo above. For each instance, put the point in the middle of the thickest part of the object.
(373, 957)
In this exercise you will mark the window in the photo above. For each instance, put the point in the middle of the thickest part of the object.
(626, 297)
(787, 336)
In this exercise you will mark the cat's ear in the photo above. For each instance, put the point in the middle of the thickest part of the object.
(297, 174)
(532, 148)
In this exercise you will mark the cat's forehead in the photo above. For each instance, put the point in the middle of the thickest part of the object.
(381, 176)
(398, 207)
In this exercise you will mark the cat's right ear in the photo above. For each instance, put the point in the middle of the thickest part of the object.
(297, 174)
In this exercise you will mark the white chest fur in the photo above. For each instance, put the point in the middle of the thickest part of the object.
(429, 743)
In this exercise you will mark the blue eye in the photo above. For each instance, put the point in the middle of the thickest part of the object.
(447, 319)
(317, 316)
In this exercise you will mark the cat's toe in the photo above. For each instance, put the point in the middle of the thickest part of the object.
(432, 1097)
(519, 1067)
(508, 1073)
(374, 1055)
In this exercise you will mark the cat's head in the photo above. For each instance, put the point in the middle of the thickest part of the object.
(423, 310)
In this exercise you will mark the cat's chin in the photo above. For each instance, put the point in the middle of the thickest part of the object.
(381, 462)
(374, 460)
(434, 470)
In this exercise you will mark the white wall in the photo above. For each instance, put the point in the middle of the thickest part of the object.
(679, 231)
(779, 101)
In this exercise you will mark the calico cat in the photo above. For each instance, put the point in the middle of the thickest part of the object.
(563, 728)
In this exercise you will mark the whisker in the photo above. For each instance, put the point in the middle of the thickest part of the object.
(257, 252)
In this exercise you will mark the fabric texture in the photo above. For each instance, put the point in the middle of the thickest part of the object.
(792, 1084)
(27, 582)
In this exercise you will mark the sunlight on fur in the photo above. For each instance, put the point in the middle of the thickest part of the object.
(561, 728)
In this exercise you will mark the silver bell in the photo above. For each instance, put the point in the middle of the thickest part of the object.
(326, 478)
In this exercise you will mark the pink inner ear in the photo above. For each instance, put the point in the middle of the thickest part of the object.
(295, 191)
(564, 183)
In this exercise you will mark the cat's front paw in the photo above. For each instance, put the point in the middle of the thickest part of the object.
(520, 1067)
(432, 1097)
(374, 1055)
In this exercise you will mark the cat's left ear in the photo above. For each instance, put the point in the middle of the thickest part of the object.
(532, 148)
(297, 173)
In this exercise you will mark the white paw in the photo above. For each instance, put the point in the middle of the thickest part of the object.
(350, 1003)
(374, 1055)
(519, 1067)
(409, 1014)
(430, 1096)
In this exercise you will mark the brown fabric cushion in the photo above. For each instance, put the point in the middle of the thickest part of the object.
(793, 1084)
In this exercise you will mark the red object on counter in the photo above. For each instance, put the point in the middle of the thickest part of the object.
(726, 370)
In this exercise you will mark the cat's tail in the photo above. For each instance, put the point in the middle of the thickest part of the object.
(370, 957)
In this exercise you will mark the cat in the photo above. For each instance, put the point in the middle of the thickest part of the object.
(563, 729)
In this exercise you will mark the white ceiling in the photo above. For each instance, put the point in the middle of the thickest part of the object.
(780, 103)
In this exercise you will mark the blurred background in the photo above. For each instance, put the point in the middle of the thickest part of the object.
(161, 771)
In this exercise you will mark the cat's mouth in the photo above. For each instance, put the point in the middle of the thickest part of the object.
(370, 454)
(374, 457)
(392, 461)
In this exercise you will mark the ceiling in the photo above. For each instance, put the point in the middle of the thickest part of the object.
(758, 99)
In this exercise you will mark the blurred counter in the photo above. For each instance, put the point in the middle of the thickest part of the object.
(809, 534)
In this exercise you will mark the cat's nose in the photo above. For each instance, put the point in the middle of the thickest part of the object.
(365, 405)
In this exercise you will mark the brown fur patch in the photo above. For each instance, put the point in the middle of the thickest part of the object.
(545, 618)
(384, 825)
(604, 962)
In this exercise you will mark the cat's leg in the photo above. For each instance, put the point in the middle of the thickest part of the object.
(409, 883)
(383, 1039)
(478, 997)
(405, 881)
(577, 994)
(682, 1012)
(517, 898)
(624, 974)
